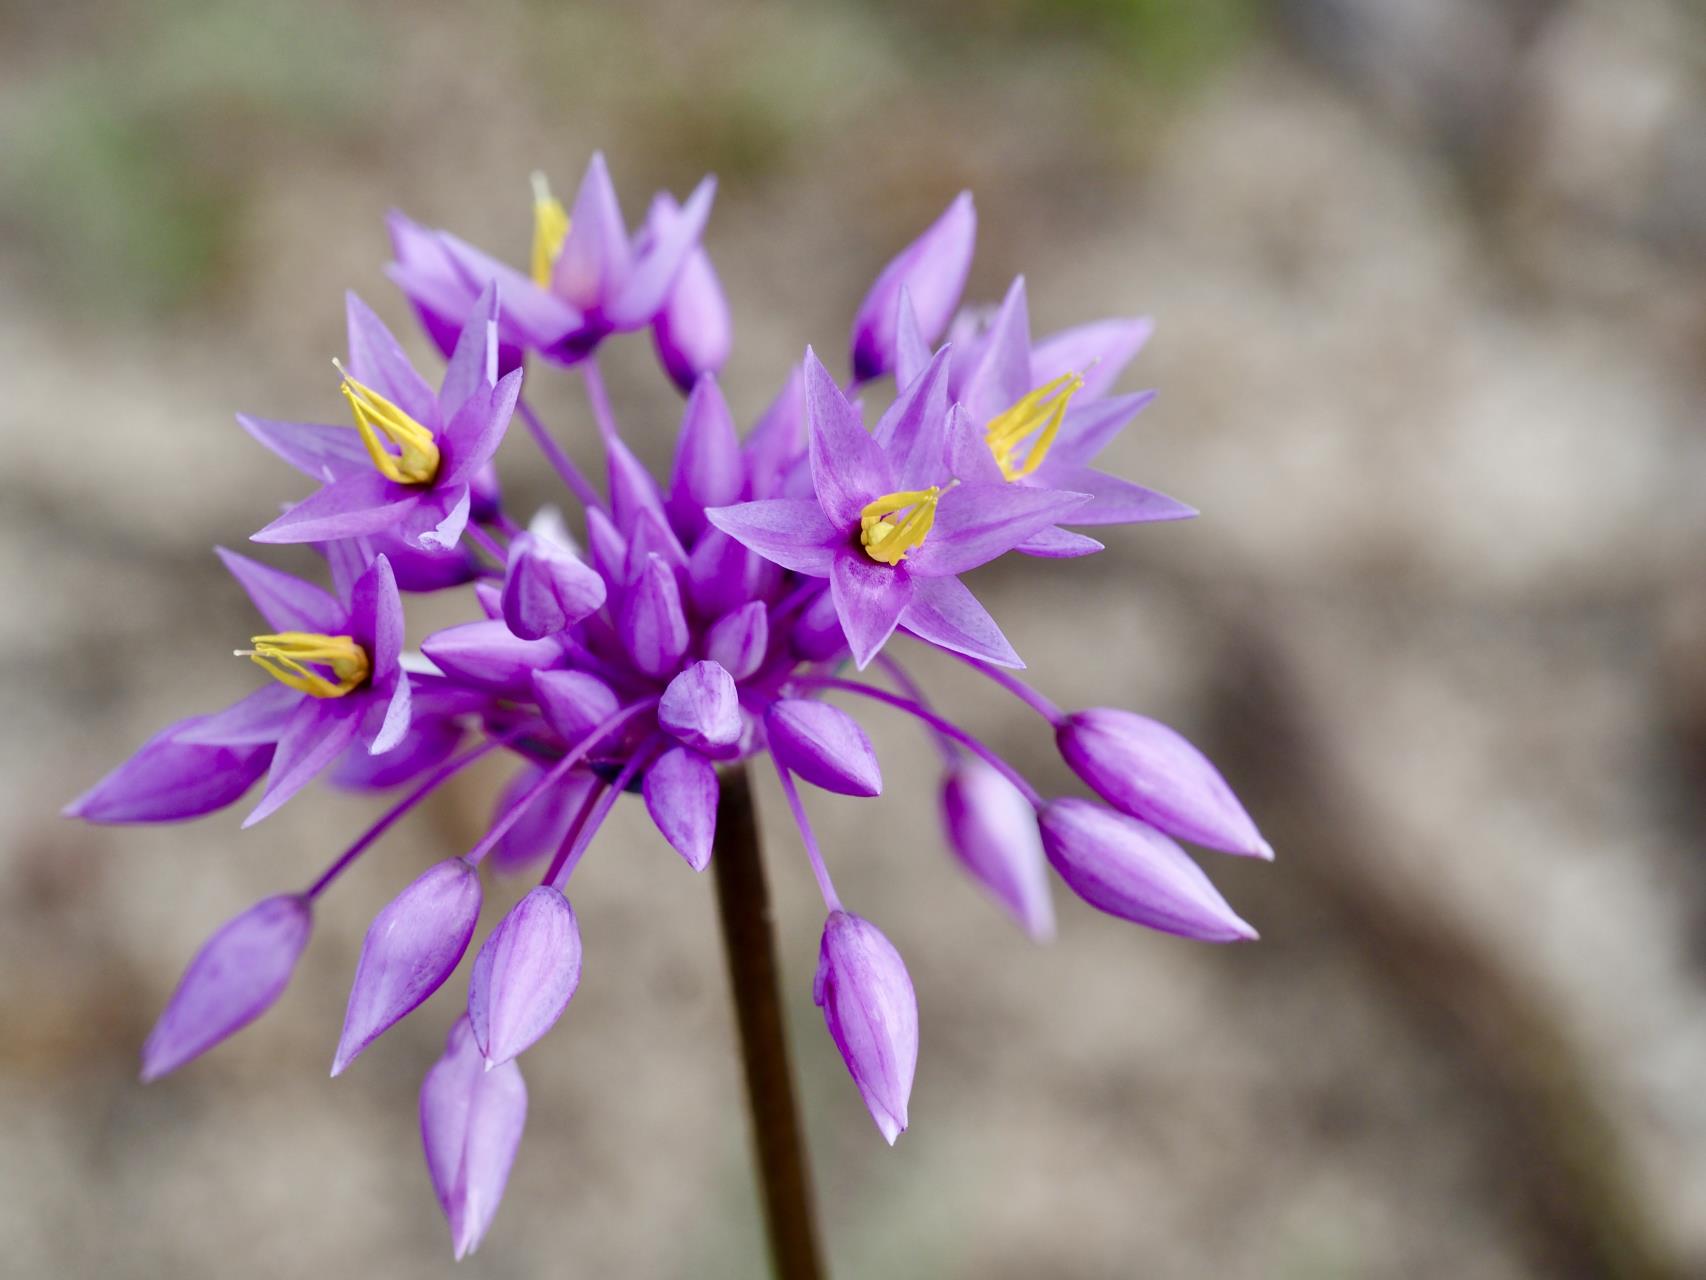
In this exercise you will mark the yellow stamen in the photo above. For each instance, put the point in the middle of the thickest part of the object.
(886, 539)
(1040, 413)
(550, 229)
(291, 658)
(417, 459)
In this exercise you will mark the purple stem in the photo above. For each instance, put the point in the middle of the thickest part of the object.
(831, 899)
(599, 398)
(555, 775)
(907, 685)
(560, 461)
(483, 540)
(589, 828)
(936, 722)
(396, 812)
(1015, 686)
(570, 836)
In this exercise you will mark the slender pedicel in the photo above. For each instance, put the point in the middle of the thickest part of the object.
(490, 545)
(572, 836)
(561, 463)
(935, 721)
(1015, 686)
(599, 398)
(825, 886)
(396, 811)
(949, 750)
(581, 840)
(556, 774)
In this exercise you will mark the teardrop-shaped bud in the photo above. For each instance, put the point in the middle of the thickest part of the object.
(653, 625)
(701, 708)
(1127, 868)
(932, 269)
(681, 795)
(693, 332)
(723, 575)
(872, 1014)
(738, 641)
(411, 947)
(1148, 770)
(471, 1124)
(709, 469)
(236, 977)
(547, 588)
(824, 745)
(525, 974)
(606, 547)
(573, 702)
(992, 830)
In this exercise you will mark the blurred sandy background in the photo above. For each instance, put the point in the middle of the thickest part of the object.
(1431, 284)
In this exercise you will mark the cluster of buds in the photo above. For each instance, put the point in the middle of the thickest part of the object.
(686, 626)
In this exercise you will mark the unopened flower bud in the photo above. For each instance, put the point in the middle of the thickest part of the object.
(933, 270)
(411, 947)
(1127, 868)
(680, 791)
(524, 975)
(824, 745)
(872, 1014)
(547, 588)
(702, 709)
(471, 1123)
(1142, 767)
(992, 830)
(236, 977)
(693, 332)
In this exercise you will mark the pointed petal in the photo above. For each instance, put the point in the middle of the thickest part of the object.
(170, 779)
(709, 470)
(911, 351)
(946, 613)
(975, 523)
(376, 358)
(848, 468)
(681, 795)
(316, 734)
(318, 451)
(489, 656)
(594, 264)
(376, 618)
(791, 532)
(933, 270)
(476, 430)
(646, 289)
(284, 600)
(869, 599)
(531, 315)
(969, 458)
(914, 430)
(1003, 375)
(1058, 544)
(474, 362)
(362, 503)
(256, 720)
(1091, 427)
(1112, 500)
(1099, 351)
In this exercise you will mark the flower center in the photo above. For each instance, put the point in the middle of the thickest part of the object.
(895, 523)
(296, 659)
(416, 461)
(1035, 417)
(550, 229)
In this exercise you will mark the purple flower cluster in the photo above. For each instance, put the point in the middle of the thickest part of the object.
(688, 625)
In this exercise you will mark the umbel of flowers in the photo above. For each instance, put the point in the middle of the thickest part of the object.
(689, 622)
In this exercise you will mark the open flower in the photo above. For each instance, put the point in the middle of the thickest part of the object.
(888, 528)
(410, 466)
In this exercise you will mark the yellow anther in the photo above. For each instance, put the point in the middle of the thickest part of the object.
(295, 658)
(887, 539)
(416, 461)
(1037, 414)
(550, 229)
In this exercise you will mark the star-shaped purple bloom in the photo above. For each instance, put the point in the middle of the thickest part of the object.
(853, 473)
(421, 489)
(312, 726)
(589, 281)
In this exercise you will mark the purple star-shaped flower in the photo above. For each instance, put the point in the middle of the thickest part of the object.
(338, 670)
(410, 465)
(885, 525)
(590, 277)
